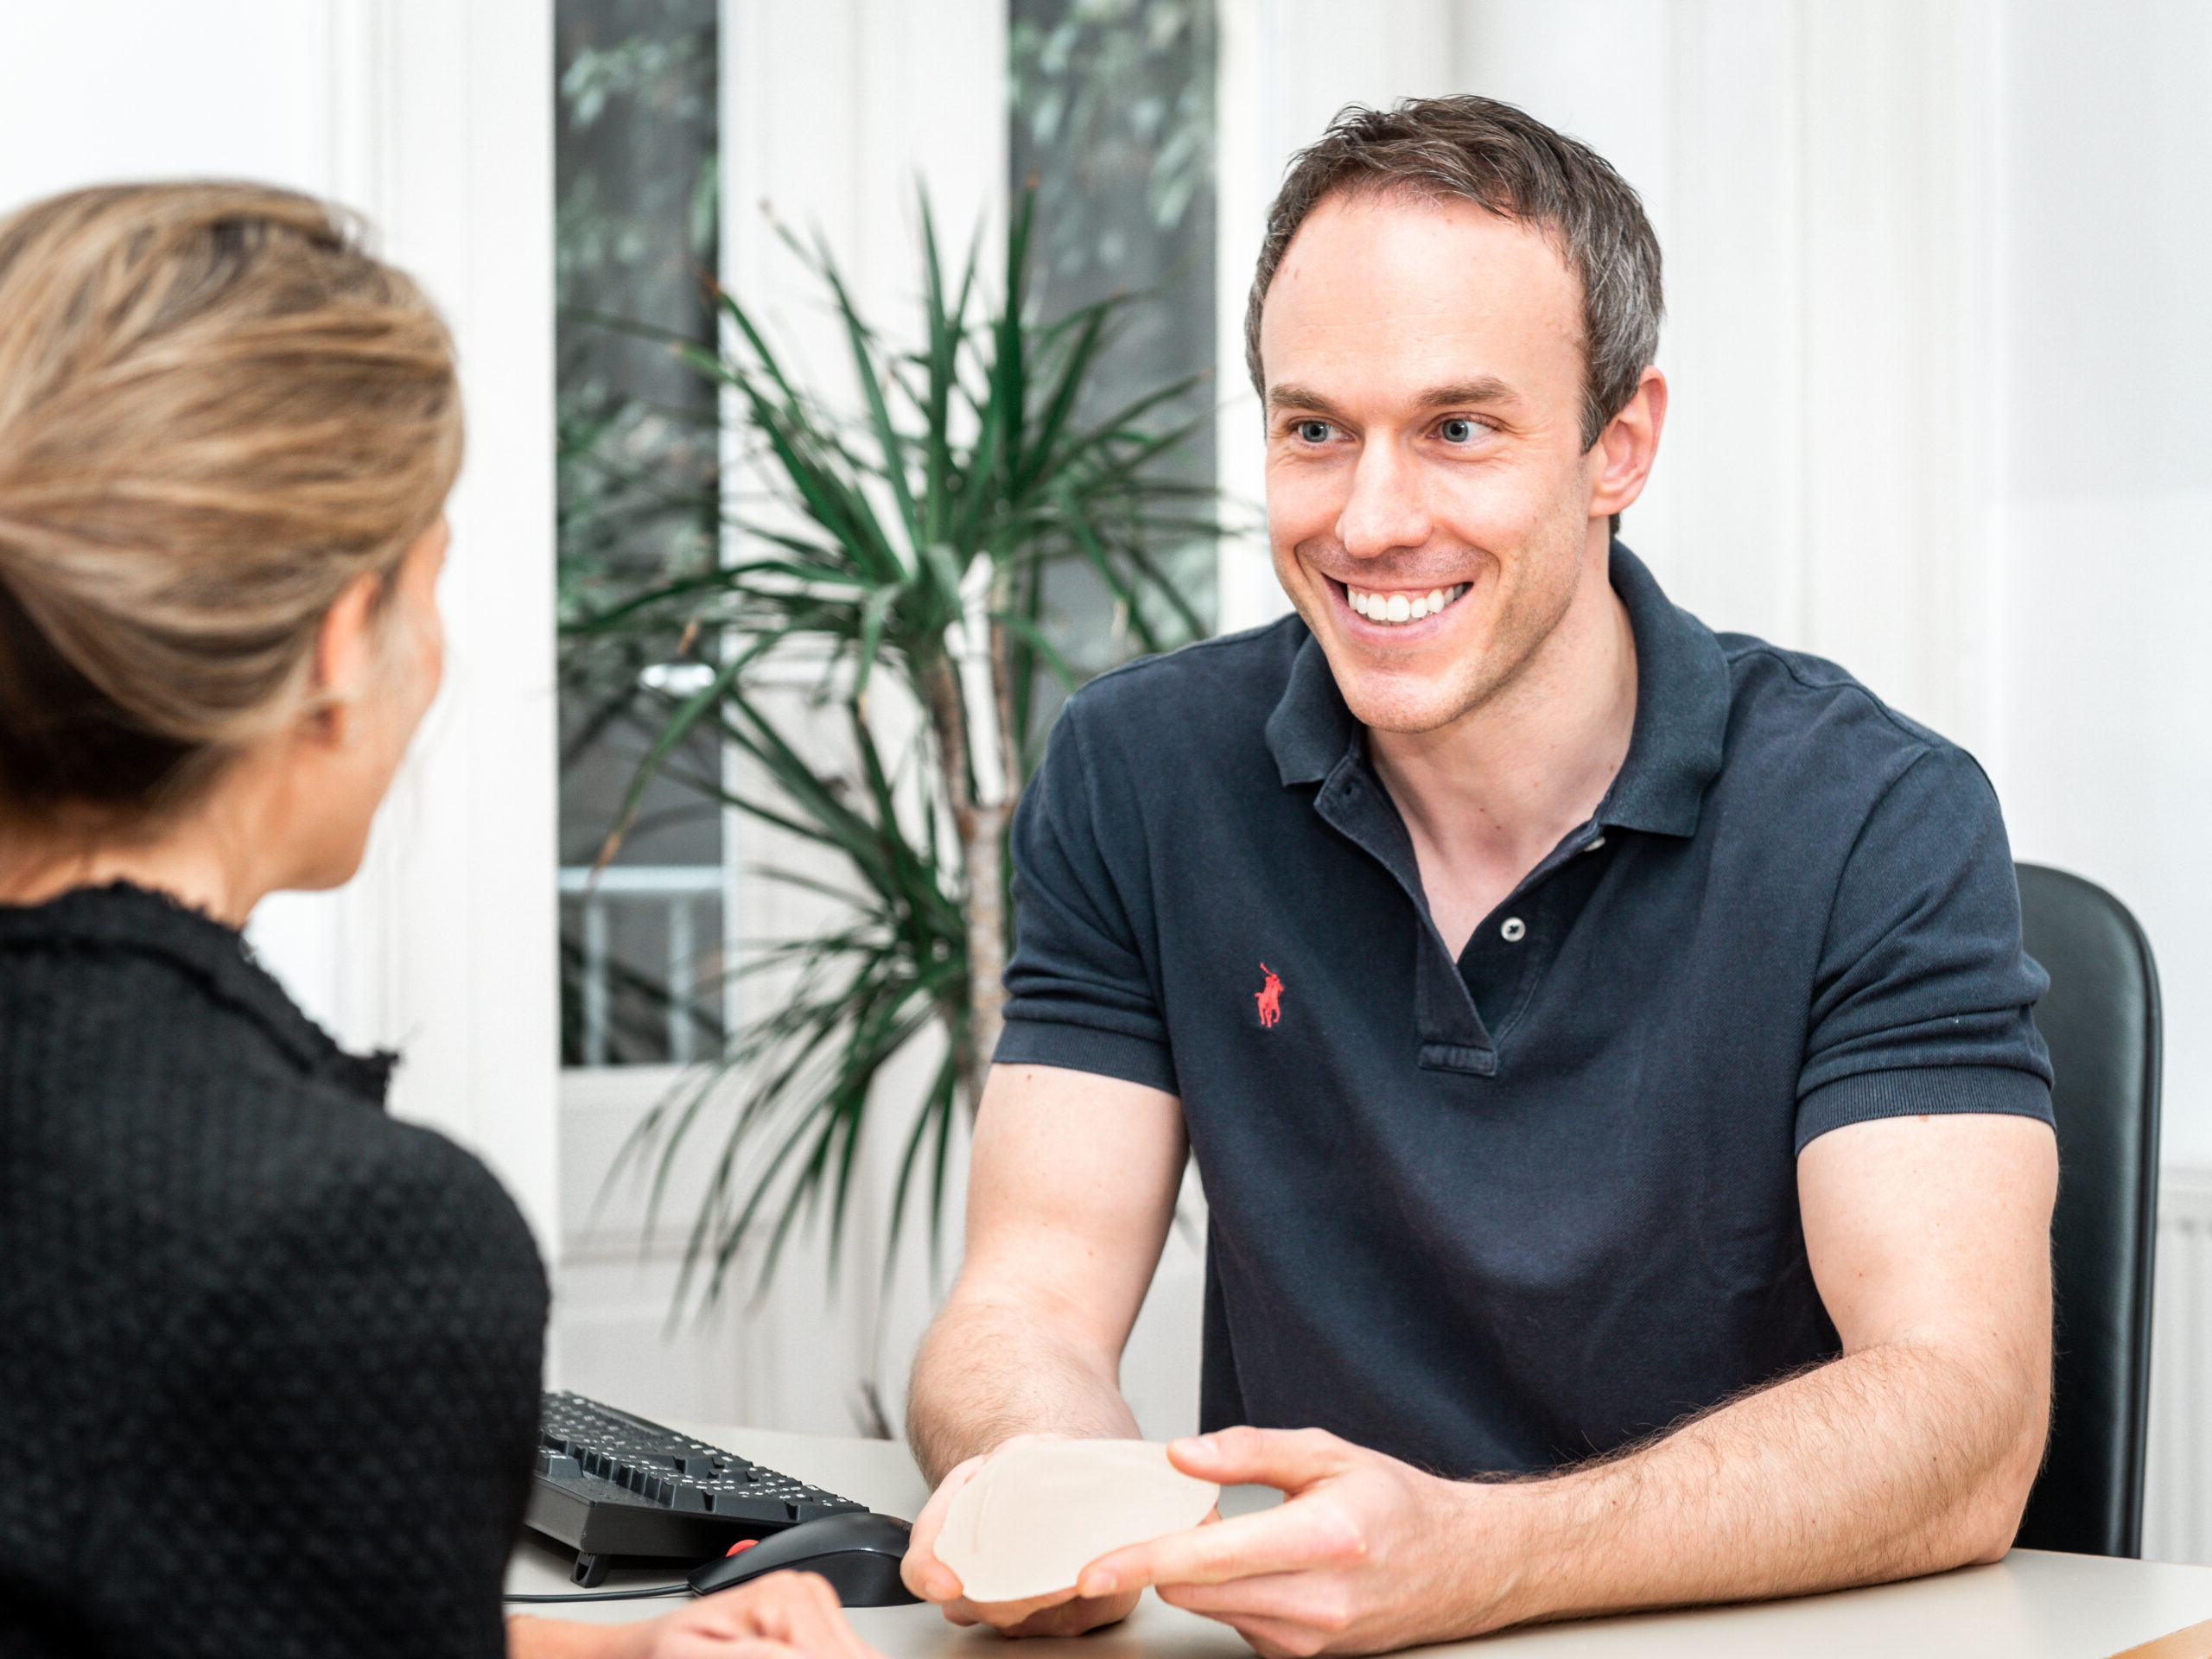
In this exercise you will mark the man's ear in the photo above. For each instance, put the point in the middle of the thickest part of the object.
(345, 645)
(1630, 443)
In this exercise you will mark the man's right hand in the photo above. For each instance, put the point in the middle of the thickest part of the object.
(1062, 1613)
(1071, 1186)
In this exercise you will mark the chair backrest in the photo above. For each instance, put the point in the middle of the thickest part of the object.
(2101, 1019)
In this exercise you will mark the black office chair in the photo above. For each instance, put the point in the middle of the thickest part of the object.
(2101, 1019)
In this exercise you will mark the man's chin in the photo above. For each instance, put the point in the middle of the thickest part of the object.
(1416, 693)
(1408, 708)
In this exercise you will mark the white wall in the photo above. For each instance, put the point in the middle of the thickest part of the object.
(2102, 510)
(435, 119)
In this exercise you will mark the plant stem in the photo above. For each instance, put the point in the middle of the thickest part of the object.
(982, 852)
(982, 829)
(988, 927)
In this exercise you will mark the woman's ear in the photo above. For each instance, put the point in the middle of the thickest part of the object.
(345, 646)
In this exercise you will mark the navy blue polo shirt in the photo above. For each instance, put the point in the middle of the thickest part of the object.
(1506, 1212)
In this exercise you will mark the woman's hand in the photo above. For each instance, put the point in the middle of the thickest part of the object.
(784, 1616)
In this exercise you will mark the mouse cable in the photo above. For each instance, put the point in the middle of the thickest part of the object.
(609, 1595)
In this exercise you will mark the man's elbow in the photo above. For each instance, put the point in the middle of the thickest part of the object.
(1990, 1517)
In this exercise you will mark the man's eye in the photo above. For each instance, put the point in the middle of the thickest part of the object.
(1313, 431)
(1458, 429)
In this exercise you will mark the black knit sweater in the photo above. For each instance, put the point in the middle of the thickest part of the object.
(268, 1360)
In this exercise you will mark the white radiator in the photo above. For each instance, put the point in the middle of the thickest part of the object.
(2178, 1497)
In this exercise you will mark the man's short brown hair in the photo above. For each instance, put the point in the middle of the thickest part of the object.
(1506, 161)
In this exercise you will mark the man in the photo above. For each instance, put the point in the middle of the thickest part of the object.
(1606, 1046)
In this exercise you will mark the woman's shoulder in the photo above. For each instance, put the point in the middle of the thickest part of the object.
(387, 1254)
(124, 976)
(167, 1092)
(363, 1185)
(284, 1199)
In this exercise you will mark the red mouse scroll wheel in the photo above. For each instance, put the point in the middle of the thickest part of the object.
(739, 1546)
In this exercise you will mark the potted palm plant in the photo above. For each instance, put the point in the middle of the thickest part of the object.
(905, 556)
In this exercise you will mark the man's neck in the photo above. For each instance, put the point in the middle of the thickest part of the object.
(1486, 798)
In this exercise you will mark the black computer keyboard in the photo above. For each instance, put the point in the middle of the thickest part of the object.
(611, 1485)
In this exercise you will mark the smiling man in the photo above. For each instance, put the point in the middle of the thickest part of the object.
(1606, 1044)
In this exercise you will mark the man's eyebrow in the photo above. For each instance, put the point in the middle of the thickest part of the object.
(1488, 389)
(1296, 397)
(1485, 389)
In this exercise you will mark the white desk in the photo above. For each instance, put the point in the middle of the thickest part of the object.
(2030, 1605)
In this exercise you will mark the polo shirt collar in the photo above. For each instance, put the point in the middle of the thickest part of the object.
(1311, 729)
(1682, 711)
(1675, 747)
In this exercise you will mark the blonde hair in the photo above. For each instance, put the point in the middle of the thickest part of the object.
(217, 412)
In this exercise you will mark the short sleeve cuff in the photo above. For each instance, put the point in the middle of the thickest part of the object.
(1916, 1092)
(1085, 1048)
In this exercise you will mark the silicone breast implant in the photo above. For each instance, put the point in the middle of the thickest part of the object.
(1037, 1514)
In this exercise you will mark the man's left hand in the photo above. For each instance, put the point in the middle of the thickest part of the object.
(1366, 1553)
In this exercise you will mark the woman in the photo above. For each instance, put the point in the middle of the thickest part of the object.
(270, 1358)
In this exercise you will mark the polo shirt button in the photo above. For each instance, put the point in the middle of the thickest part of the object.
(1595, 843)
(1511, 928)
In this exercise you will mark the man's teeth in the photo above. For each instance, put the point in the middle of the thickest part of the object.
(1402, 608)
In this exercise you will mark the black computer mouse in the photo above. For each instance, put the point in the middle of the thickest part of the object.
(858, 1552)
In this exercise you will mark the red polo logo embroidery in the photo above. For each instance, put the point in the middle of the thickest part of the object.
(1269, 997)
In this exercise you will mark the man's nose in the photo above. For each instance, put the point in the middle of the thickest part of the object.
(1388, 508)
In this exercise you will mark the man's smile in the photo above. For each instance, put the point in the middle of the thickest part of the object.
(1395, 608)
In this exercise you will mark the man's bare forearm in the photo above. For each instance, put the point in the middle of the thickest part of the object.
(1897, 1460)
(988, 1370)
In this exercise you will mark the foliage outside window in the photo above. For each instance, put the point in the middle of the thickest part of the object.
(1111, 109)
(637, 171)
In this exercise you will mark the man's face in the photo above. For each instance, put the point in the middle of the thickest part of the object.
(1429, 500)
